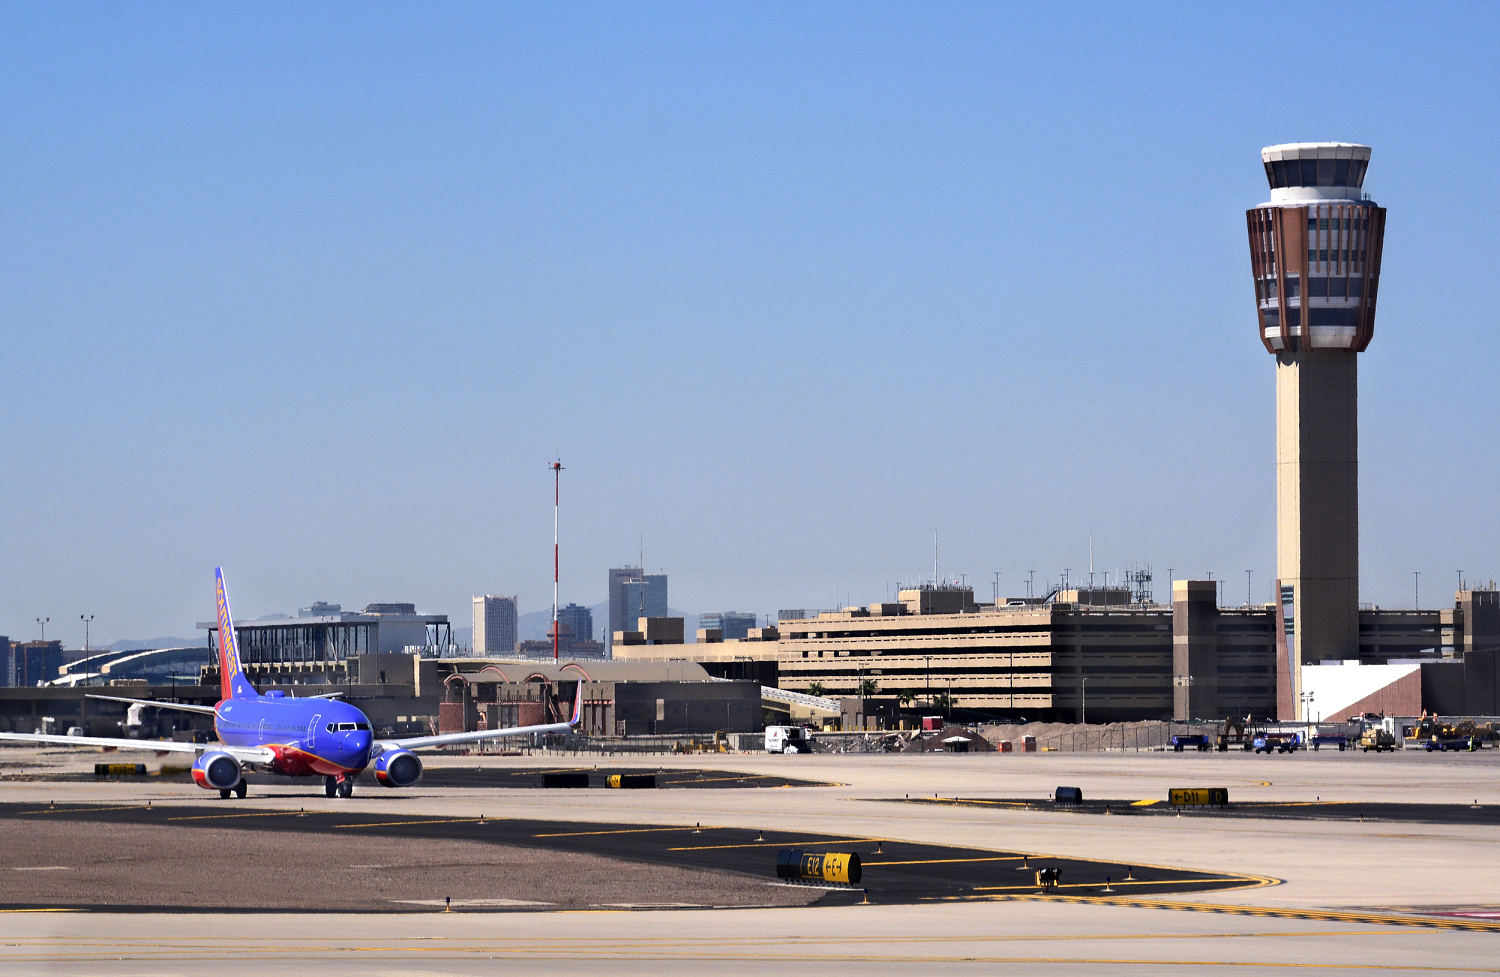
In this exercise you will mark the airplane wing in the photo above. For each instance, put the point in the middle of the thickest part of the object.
(183, 706)
(245, 754)
(448, 739)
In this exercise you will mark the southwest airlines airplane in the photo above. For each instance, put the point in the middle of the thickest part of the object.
(315, 736)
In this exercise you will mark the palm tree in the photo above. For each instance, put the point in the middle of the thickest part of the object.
(906, 697)
(868, 687)
(815, 688)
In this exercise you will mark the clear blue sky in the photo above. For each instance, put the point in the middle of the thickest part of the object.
(316, 292)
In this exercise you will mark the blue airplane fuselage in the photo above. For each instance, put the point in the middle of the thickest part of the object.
(309, 736)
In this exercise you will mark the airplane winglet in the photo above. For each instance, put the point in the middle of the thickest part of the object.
(577, 705)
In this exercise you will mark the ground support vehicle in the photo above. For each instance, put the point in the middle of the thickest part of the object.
(1264, 742)
(1195, 741)
(787, 739)
(1377, 738)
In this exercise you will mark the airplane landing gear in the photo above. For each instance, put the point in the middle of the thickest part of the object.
(224, 793)
(241, 789)
(330, 786)
(346, 788)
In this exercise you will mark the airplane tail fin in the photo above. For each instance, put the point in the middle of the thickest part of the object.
(577, 705)
(232, 681)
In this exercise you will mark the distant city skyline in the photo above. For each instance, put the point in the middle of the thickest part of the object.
(788, 287)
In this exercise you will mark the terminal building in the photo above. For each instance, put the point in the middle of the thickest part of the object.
(335, 649)
(1095, 656)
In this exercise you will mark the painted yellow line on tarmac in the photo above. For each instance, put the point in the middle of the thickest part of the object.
(948, 861)
(238, 814)
(719, 780)
(41, 909)
(972, 802)
(1321, 915)
(623, 831)
(818, 842)
(88, 807)
(403, 824)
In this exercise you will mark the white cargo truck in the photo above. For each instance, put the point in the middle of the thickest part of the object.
(787, 739)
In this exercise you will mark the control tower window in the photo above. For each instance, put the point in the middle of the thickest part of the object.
(1315, 173)
(1334, 317)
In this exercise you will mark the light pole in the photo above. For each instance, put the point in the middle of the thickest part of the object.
(1084, 716)
(929, 680)
(1416, 590)
(85, 618)
(43, 622)
(1030, 578)
(1307, 715)
(1247, 587)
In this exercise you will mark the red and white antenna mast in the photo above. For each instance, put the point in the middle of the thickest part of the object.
(556, 467)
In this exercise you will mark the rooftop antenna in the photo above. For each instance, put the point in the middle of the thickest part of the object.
(934, 559)
(556, 467)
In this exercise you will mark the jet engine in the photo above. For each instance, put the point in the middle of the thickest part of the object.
(216, 771)
(398, 768)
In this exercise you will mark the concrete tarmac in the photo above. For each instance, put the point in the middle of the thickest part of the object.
(1389, 894)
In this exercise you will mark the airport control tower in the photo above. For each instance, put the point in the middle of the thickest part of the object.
(1315, 255)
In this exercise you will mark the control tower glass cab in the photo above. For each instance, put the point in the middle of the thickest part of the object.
(1315, 248)
(1315, 259)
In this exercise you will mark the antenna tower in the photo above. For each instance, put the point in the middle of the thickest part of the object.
(556, 467)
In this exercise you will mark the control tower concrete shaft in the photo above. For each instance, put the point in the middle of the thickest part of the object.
(1315, 257)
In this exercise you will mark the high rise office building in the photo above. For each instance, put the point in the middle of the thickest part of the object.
(578, 620)
(494, 625)
(731, 625)
(1315, 257)
(633, 594)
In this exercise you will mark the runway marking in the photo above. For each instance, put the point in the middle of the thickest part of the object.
(88, 807)
(970, 802)
(403, 824)
(237, 814)
(818, 842)
(1321, 915)
(1147, 803)
(718, 780)
(946, 861)
(624, 831)
(1093, 885)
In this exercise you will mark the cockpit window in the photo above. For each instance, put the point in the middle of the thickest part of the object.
(363, 726)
